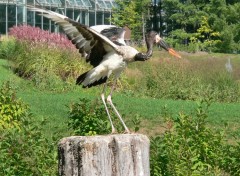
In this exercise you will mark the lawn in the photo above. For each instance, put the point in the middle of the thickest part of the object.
(54, 106)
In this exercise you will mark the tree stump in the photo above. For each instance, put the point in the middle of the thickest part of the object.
(112, 155)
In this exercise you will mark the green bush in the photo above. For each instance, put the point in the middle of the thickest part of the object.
(13, 112)
(49, 60)
(88, 118)
(23, 147)
(47, 68)
(190, 147)
(7, 47)
(231, 161)
(27, 152)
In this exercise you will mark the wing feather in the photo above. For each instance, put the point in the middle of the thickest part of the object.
(114, 33)
(84, 38)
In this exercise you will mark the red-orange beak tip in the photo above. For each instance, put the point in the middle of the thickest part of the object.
(174, 53)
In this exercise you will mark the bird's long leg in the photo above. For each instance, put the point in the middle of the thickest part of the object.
(104, 102)
(109, 100)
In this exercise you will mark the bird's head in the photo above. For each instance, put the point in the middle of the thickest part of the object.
(165, 46)
(158, 40)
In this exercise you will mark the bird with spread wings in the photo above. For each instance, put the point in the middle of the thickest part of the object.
(106, 56)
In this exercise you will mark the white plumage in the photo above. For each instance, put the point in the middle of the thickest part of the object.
(112, 63)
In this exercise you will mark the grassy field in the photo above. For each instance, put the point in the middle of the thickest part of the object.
(54, 106)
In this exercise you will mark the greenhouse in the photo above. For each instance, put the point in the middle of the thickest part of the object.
(88, 12)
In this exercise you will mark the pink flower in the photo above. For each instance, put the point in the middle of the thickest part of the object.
(35, 36)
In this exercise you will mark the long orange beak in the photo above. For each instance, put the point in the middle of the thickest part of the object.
(174, 53)
(165, 46)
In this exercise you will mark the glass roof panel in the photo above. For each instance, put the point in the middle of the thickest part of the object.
(56, 2)
(41, 1)
(71, 2)
(80, 3)
(101, 4)
(108, 4)
(114, 4)
(87, 3)
(19, 1)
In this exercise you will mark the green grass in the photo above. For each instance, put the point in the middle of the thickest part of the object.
(54, 106)
(5, 71)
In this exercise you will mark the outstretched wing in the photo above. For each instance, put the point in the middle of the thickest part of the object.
(83, 37)
(114, 33)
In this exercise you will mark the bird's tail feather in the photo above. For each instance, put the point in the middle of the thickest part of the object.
(83, 76)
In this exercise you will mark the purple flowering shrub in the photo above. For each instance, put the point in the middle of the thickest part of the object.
(35, 36)
(47, 59)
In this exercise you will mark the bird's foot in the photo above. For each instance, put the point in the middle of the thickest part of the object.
(114, 131)
(127, 131)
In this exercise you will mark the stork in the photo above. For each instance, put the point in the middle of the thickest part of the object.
(104, 55)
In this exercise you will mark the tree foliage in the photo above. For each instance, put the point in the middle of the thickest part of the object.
(217, 22)
(131, 14)
(183, 19)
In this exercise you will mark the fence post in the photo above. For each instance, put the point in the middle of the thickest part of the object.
(111, 155)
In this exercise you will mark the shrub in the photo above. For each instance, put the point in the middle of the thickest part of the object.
(231, 161)
(7, 47)
(23, 147)
(88, 118)
(190, 147)
(48, 59)
(13, 112)
(27, 152)
(35, 36)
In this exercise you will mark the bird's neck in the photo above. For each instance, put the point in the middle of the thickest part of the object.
(149, 48)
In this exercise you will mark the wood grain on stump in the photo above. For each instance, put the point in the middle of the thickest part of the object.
(112, 155)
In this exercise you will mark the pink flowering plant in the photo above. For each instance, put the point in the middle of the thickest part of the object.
(48, 59)
(36, 36)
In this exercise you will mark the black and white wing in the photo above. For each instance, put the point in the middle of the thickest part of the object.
(85, 39)
(114, 33)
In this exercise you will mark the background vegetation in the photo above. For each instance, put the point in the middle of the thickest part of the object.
(189, 107)
(48, 63)
(201, 25)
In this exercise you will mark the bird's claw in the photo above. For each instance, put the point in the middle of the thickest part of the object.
(127, 131)
(114, 131)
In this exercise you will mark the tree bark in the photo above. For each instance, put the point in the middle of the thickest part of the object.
(112, 155)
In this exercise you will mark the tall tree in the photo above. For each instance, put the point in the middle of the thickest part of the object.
(183, 20)
(142, 7)
(132, 14)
